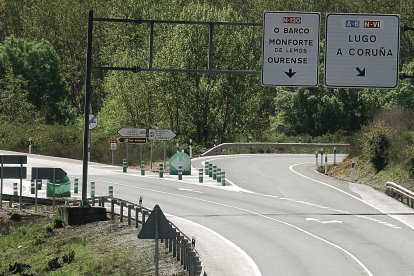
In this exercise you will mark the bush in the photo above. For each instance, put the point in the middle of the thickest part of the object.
(376, 142)
(410, 167)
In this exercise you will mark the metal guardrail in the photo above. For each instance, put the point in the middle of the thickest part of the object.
(181, 247)
(218, 149)
(400, 193)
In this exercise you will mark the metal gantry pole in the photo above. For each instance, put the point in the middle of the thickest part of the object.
(88, 93)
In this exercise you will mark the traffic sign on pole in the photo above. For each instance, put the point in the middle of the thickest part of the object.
(133, 132)
(160, 134)
(132, 140)
(290, 49)
(362, 50)
(93, 121)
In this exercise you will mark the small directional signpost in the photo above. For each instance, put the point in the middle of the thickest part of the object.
(290, 49)
(133, 132)
(161, 135)
(156, 227)
(12, 172)
(362, 50)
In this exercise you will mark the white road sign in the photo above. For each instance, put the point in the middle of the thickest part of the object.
(160, 134)
(93, 121)
(290, 49)
(362, 50)
(133, 132)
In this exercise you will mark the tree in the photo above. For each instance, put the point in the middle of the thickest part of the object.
(14, 106)
(38, 64)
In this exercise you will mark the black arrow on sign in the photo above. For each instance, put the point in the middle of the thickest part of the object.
(361, 73)
(290, 73)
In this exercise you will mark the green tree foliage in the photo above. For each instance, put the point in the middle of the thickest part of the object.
(37, 64)
(14, 106)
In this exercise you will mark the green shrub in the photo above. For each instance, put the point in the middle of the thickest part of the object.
(376, 143)
(410, 167)
(57, 222)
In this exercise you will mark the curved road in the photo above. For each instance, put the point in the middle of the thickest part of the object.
(282, 218)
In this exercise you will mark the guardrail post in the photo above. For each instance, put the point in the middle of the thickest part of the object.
(170, 245)
(144, 214)
(178, 249)
(326, 164)
(121, 211)
(124, 165)
(111, 191)
(129, 214)
(352, 171)
(113, 202)
(142, 167)
(180, 172)
(161, 170)
(137, 211)
(200, 176)
(174, 245)
(75, 185)
(223, 178)
(206, 166)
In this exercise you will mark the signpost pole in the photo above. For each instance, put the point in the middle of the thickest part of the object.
(140, 153)
(88, 92)
(54, 180)
(165, 155)
(1, 185)
(127, 151)
(21, 183)
(156, 241)
(152, 141)
(112, 162)
(36, 186)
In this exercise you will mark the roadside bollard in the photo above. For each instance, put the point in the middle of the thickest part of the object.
(15, 192)
(161, 171)
(111, 191)
(218, 175)
(321, 156)
(214, 172)
(317, 165)
(32, 187)
(326, 164)
(353, 171)
(180, 172)
(39, 184)
(210, 170)
(206, 166)
(200, 176)
(124, 165)
(223, 178)
(142, 168)
(76, 185)
(92, 189)
(334, 156)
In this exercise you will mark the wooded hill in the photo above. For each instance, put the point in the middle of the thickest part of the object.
(42, 70)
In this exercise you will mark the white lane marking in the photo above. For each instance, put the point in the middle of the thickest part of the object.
(249, 260)
(343, 250)
(190, 190)
(354, 197)
(324, 221)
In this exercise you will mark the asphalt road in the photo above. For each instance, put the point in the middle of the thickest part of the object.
(282, 218)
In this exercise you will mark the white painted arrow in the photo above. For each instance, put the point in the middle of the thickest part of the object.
(323, 222)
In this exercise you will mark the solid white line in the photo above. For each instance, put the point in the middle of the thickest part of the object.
(348, 194)
(346, 252)
(249, 260)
